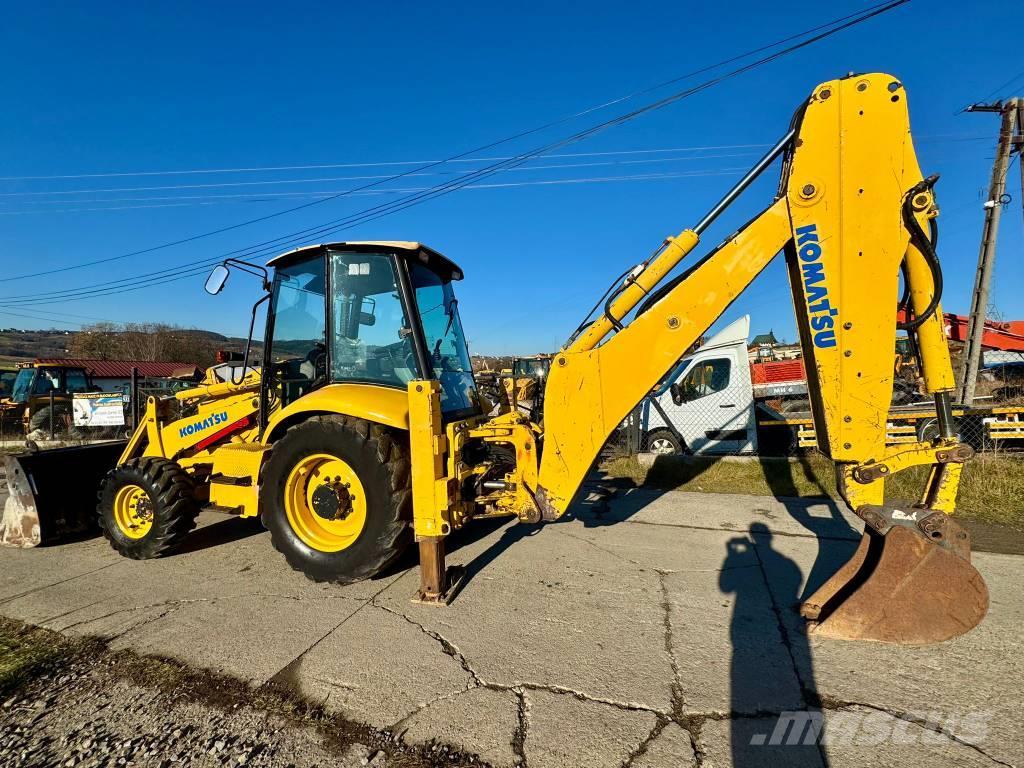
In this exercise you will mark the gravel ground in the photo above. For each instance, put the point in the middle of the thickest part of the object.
(86, 708)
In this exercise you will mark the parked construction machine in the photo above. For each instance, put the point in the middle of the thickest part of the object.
(41, 395)
(363, 430)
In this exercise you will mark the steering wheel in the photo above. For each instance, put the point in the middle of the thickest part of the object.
(318, 357)
(410, 361)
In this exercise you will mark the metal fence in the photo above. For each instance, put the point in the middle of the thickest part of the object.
(719, 419)
(58, 424)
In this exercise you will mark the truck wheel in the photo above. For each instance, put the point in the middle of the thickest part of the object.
(147, 507)
(40, 420)
(664, 442)
(336, 498)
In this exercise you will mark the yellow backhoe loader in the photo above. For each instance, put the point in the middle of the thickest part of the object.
(363, 430)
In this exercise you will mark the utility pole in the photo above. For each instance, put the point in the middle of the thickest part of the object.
(1009, 139)
(1020, 149)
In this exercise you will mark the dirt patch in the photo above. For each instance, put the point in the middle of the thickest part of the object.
(66, 702)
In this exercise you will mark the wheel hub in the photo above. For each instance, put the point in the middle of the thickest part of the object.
(325, 502)
(332, 500)
(133, 511)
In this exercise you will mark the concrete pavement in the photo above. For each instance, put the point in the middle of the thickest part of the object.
(659, 631)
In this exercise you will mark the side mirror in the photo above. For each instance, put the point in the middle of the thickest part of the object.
(678, 395)
(367, 318)
(217, 279)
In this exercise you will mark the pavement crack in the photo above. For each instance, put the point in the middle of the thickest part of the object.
(522, 726)
(397, 725)
(789, 534)
(808, 692)
(449, 648)
(677, 697)
(607, 551)
(289, 670)
(641, 748)
(628, 706)
(12, 598)
(832, 704)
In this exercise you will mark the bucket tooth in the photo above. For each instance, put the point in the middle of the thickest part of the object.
(911, 585)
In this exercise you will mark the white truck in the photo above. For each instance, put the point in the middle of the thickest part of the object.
(723, 404)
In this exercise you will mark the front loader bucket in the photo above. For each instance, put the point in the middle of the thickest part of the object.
(911, 584)
(53, 493)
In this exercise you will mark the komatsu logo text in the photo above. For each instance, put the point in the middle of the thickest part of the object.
(199, 426)
(815, 287)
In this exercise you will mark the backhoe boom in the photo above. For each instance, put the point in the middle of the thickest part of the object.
(852, 211)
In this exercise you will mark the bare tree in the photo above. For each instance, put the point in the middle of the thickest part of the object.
(143, 341)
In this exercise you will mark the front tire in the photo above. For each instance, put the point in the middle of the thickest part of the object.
(662, 441)
(60, 415)
(336, 498)
(147, 507)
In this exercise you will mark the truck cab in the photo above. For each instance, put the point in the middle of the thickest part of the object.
(706, 403)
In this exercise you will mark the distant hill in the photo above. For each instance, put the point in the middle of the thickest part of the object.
(18, 345)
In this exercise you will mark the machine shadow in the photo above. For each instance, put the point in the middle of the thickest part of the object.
(836, 538)
(771, 668)
(222, 532)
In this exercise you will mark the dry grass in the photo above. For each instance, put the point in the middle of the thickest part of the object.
(991, 488)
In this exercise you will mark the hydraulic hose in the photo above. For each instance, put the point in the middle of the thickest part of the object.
(926, 245)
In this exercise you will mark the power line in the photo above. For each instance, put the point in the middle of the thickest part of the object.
(379, 211)
(275, 182)
(441, 189)
(110, 287)
(384, 163)
(232, 197)
(847, 21)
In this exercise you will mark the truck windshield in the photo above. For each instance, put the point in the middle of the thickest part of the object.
(446, 343)
(22, 385)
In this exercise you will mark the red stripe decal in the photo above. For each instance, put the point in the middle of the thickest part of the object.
(206, 442)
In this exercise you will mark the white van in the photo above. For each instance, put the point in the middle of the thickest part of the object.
(713, 408)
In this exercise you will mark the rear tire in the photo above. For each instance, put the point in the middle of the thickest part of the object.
(166, 495)
(375, 462)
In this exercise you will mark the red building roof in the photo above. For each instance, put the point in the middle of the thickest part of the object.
(122, 369)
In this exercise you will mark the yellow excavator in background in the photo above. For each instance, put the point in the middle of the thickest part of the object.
(363, 429)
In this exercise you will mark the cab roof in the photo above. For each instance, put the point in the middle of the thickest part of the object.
(408, 248)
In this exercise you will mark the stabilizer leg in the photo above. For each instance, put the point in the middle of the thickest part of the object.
(438, 584)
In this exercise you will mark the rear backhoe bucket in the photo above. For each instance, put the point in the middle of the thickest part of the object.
(910, 582)
(53, 493)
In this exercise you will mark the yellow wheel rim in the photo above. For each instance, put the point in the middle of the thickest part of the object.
(325, 503)
(133, 511)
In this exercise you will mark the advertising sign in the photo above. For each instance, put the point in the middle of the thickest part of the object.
(98, 409)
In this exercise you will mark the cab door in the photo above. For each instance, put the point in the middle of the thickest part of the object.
(714, 416)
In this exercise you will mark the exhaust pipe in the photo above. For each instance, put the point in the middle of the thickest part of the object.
(53, 493)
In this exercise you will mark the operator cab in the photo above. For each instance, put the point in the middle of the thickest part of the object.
(380, 313)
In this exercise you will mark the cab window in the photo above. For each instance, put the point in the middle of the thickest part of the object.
(705, 378)
(446, 343)
(46, 381)
(75, 381)
(371, 340)
(298, 345)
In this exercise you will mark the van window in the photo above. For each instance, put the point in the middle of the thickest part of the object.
(705, 378)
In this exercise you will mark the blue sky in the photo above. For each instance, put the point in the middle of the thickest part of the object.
(196, 86)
